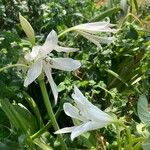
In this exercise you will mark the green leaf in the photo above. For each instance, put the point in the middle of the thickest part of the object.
(19, 116)
(106, 13)
(26, 26)
(5, 132)
(137, 146)
(10, 145)
(9, 111)
(27, 118)
(116, 75)
(87, 140)
(142, 109)
(136, 5)
(42, 145)
(79, 15)
(35, 109)
(146, 146)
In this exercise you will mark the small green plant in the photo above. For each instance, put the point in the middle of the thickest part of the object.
(110, 65)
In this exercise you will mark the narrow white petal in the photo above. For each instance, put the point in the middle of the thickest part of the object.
(65, 49)
(90, 38)
(72, 111)
(97, 39)
(89, 126)
(99, 24)
(52, 38)
(66, 64)
(99, 115)
(47, 70)
(33, 54)
(82, 103)
(50, 43)
(88, 109)
(91, 26)
(96, 27)
(33, 72)
(65, 130)
(79, 98)
(105, 40)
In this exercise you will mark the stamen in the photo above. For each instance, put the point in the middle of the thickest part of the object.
(48, 60)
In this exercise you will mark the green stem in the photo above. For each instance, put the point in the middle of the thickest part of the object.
(118, 138)
(11, 66)
(131, 6)
(127, 132)
(50, 112)
(64, 32)
(42, 145)
(41, 131)
(139, 139)
(45, 128)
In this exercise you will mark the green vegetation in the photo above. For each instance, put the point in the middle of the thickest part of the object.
(114, 75)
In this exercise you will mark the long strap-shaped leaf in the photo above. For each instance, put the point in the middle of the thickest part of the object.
(13, 116)
(19, 117)
(106, 13)
(116, 75)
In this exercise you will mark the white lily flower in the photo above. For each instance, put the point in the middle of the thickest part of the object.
(91, 31)
(43, 62)
(90, 116)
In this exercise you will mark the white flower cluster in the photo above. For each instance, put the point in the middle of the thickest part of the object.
(41, 60)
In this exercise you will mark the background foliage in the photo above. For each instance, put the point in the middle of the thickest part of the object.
(112, 77)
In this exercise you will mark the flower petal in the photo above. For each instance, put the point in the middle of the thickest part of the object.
(90, 38)
(52, 38)
(50, 43)
(65, 49)
(96, 27)
(33, 54)
(66, 64)
(47, 70)
(33, 72)
(89, 126)
(88, 109)
(79, 98)
(98, 115)
(105, 40)
(97, 39)
(65, 130)
(82, 103)
(72, 111)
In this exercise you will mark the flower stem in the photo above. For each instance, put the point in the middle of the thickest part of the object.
(128, 133)
(45, 128)
(41, 131)
(50, 112)
(68, 30)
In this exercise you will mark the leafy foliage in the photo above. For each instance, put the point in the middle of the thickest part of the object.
(113, 77)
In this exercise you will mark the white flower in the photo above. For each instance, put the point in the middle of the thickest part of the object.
(90, 116)
(91, 31)
(43, 62)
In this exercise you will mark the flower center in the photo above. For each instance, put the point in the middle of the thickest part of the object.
(48, 60)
